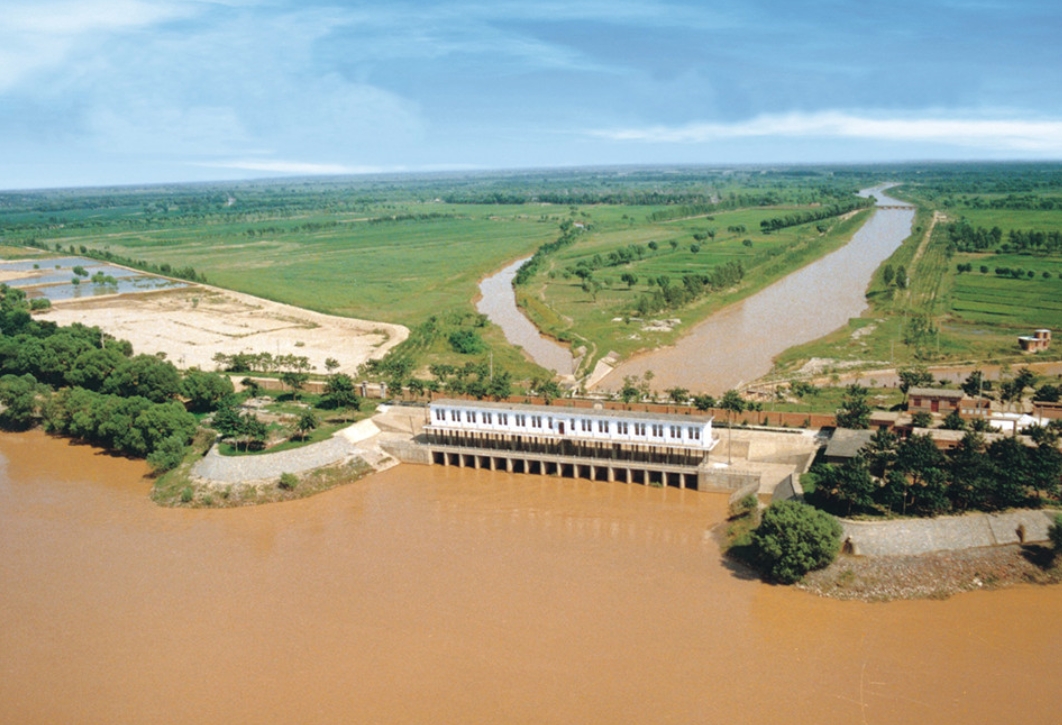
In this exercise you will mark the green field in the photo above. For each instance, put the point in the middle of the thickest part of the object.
(968, 316)
(559, 304)
(412, 249)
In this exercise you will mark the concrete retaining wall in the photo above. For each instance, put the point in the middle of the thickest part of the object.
(724, 480)
(750, 490)
(405, 450)
(920, 536)
(788, 489)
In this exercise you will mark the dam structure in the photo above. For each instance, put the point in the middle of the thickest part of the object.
(597, 444)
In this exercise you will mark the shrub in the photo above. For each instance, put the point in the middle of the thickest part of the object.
(186, 494)
(794, 538)
(288, 481)
(1054, 533)
(467, 342)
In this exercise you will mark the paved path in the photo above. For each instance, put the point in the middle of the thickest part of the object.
(353, 442)
(907, 537)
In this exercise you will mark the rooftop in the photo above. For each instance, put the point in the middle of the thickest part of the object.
(937, 393)
(847, 442)
(561, 411)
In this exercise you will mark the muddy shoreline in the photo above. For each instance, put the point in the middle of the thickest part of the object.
(937, 575)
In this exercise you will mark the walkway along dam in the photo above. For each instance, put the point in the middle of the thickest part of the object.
(606, 445)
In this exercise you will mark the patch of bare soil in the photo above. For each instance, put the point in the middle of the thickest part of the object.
(191, 325)
(934, 576)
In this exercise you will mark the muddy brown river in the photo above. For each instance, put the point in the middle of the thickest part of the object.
(738, 344)
(433, 595)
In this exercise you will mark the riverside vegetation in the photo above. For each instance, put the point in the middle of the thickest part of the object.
(412, 249)
(983, 265)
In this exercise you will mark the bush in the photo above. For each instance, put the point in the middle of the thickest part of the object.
(794, 538)
(467, 342)
(1054, 533)
(288, 481)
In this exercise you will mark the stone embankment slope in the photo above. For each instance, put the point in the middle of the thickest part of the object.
(357, 441)
(908, 537)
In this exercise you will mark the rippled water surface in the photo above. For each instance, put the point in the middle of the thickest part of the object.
(433, 595)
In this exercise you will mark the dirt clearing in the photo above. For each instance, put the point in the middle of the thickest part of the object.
(193, 324)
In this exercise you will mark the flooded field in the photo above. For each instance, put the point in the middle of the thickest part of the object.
(453, 596)
(51, 277)
(499, 304)
(738, 344)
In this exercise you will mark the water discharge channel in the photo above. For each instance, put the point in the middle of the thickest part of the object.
(738, 343)
(498, 303)
(443, 595)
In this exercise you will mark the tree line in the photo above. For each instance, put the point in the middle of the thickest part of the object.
(568, 234)
(913, 477)
(965, 237)
(669, 296)
(813, 215)
(77, 381)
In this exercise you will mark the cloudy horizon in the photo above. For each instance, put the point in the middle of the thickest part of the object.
(105, 92)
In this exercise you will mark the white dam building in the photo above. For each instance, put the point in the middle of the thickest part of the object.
(606, 445)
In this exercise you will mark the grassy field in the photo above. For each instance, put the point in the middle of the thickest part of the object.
(556, 300)
(406, 250)
(946, 315)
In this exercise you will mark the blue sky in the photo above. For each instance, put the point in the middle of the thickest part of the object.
(132, 91)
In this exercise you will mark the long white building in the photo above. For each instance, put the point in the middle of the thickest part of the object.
(581, 442)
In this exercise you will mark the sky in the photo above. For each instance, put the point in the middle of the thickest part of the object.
(103, 92)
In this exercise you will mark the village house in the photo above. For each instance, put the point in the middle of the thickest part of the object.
(1039, 340)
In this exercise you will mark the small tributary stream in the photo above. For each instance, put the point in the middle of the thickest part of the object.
(499, 304)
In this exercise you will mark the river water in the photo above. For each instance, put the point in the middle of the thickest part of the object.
(738, 344)
(498, 303)
(441, 595)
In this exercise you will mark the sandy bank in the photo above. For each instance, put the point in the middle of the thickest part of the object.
(193, 324)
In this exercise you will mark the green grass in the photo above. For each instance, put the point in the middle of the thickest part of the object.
(977, 316)
(560, 307)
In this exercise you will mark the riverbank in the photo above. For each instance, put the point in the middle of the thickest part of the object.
(935, 575)
(738, 344)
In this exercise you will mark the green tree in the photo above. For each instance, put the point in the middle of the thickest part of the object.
(501, 387)
(167, 455)
(339, 393)
(854, 411)
(205, 390)
(146, 376)
(914, 378)
(974, 384)
(954, 421)
(678, 395)
(629, 392)
(1054, 533)
(466, 342)
(294, 380)
(846, 488)
(732, 403)
(921, 419)
(331, 364)
(306, 424)
(703, 403)
(793, 539)
(19, 395)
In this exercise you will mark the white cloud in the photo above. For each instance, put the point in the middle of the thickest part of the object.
(987, 133)
(279, 166)
(39, 35)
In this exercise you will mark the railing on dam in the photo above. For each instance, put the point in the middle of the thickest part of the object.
(602, 453)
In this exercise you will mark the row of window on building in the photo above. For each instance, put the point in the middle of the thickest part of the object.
(521, 420)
